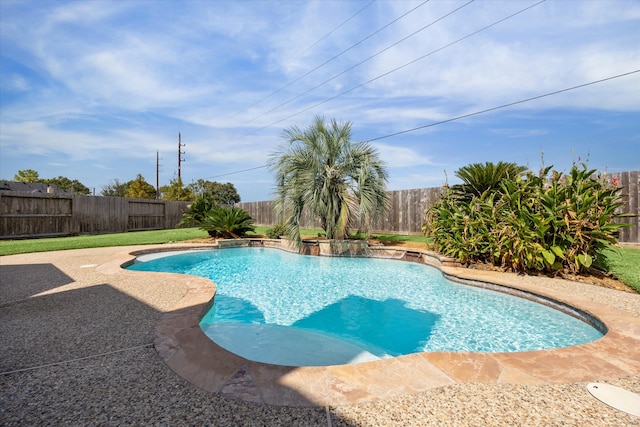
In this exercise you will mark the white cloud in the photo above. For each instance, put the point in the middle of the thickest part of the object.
(81, 13)
(110, 80)
(519, 132)
(15, 83)
(38, 138)
(428, 179)
(398, 157)
(494, 67)
(403, 117)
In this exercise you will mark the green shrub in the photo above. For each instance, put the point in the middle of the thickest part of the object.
(197, 212)
(529, 222)
(276, 231)
(227, 222)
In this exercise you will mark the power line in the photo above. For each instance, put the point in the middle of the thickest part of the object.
(404, 65)
(333, 58)
(306, 50)
(363, 61)
(334, 30)
(236, 172)
(464, 116)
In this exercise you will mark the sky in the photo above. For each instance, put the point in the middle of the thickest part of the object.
(98, 90)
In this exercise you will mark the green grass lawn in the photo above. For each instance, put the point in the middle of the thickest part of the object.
(390, 239)
(10, 247)
(623, 263)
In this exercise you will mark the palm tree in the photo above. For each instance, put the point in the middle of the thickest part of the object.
(340, 182)
(478, 178)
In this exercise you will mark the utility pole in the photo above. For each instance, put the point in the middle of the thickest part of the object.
(180, 153)
(157, 175)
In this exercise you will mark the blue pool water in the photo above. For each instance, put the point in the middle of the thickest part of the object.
(284, 308)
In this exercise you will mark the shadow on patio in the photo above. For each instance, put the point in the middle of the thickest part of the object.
(82, 354)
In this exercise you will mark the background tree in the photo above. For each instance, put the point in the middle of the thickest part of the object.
(140, 189)
(218, 193)
(65, 183)
(62, 182)
(340, 182)
(115, 188)
(27, 175)
(176, 191)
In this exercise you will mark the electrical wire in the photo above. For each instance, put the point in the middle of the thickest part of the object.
(304, 51)
(334, 30)
(363, 61)
(333, 58)
(404, 65)
(464, 116)
(236, 172)
(533, 98)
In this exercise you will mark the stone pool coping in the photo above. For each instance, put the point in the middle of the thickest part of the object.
(192, 355)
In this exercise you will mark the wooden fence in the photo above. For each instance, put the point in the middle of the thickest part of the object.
(630, 184)
(38, 215)
(408, 207)
(24, 214)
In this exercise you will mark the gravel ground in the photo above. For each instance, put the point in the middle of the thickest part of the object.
(76, 350)
(491, 405)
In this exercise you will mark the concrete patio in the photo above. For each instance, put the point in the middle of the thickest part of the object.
(87, 343)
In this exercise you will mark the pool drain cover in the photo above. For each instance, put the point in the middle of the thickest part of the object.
(616, 397)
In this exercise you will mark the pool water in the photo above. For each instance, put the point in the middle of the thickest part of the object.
(277, 307)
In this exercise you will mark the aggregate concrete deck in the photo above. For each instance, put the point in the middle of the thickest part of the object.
(85, 343)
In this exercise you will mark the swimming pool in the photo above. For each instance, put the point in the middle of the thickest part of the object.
(277, 307)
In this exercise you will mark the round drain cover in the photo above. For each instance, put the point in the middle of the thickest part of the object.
(616, 397)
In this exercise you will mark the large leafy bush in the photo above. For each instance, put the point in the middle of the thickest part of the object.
(529, 223)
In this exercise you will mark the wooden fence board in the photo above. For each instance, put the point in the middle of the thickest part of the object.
(101, 214)
(38, 215)
(35, 204)
(145, 215)
(631, 186)
(408, 206)
(629, 183)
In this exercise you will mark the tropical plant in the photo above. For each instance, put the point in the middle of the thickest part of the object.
(197, 212)
(530, 223)
(478, 178)
(227, 222)
(339, 182)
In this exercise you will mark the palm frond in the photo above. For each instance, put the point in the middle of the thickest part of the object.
(322, 171)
